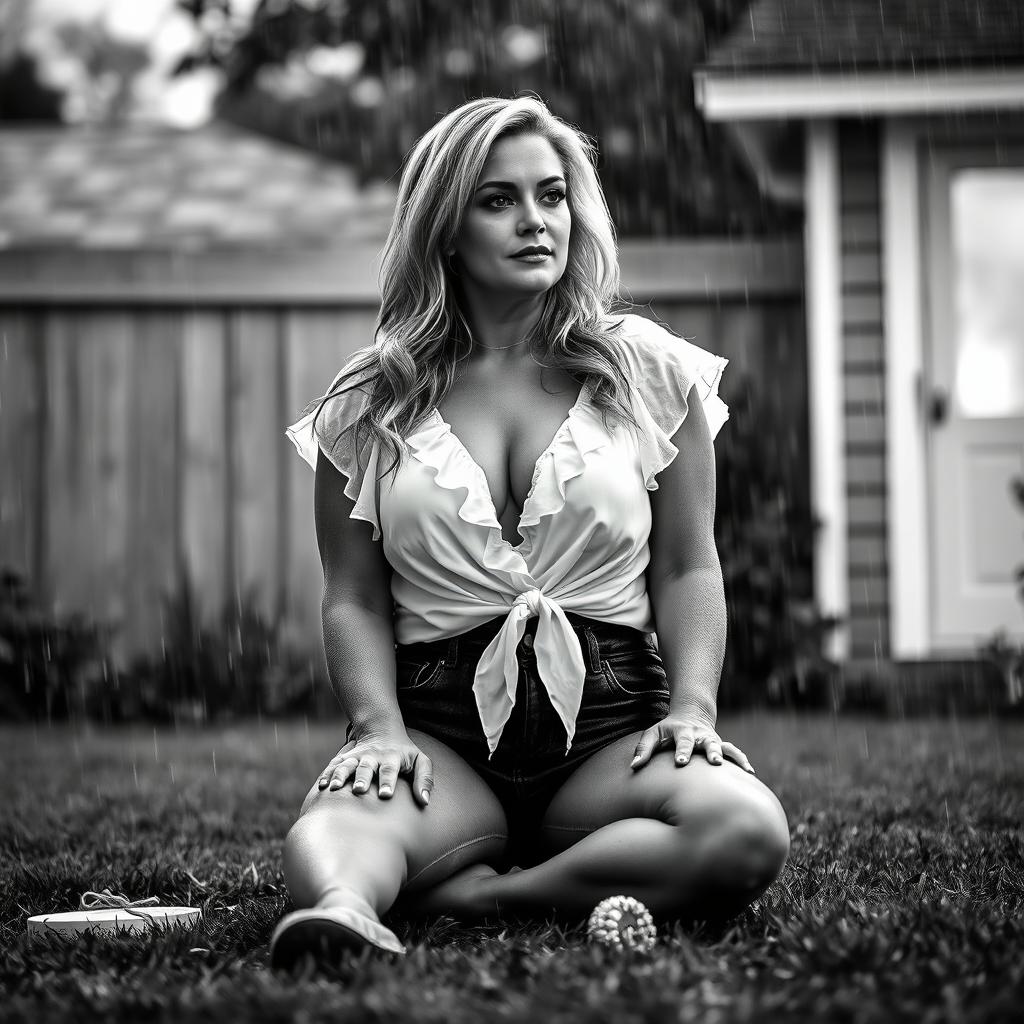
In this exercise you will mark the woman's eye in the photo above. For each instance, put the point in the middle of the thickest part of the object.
(498, 201)
(554, 196)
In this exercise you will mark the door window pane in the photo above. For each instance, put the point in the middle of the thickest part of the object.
(988, 268)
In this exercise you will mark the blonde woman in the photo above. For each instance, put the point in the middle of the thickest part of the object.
(523, 611)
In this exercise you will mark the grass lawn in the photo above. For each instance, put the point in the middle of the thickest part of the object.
(902, 899)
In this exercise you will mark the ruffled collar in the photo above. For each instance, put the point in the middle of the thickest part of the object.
(436, 445)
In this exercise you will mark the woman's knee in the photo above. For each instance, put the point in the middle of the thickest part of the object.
(746, 841)
(340, 818)
(761, 832)
(464, 822)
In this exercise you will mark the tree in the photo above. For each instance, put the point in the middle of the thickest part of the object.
(361, 80)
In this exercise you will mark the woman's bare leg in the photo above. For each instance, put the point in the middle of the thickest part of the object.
(701, 841)
(359, 851)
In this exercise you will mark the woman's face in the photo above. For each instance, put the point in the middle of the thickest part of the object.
(514, 237)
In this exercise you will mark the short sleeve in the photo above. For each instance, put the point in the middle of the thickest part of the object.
(664, 369)
(331, 429)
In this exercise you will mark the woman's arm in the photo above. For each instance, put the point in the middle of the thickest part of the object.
(684, 580)
(359, 641)
(358, 624)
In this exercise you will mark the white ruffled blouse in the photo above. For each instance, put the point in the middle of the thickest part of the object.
(585, 522)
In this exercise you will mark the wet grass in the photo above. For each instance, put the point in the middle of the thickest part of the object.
(901, 901)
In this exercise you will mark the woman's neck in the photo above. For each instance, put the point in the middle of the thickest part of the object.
(502, 325)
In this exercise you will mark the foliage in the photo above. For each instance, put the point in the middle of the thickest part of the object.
(999, 649)
(48, 662)
(902, 901)
(237, 666)
(58, 667)
(23, 97)
(765, 533)
(60, 66)
(361, 80)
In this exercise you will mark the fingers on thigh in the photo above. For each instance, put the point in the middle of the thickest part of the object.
(463, 824)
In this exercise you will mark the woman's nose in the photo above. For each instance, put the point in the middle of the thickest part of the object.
(531, 220)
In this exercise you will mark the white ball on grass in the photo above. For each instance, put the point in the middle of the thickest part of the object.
(622, 922)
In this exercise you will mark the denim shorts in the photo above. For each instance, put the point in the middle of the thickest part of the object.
(625, 690)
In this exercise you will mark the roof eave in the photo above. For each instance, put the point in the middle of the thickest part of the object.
(766, 95)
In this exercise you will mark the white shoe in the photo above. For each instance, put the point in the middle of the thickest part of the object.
(327, 933)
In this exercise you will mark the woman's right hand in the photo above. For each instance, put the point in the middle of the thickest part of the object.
(386, 754)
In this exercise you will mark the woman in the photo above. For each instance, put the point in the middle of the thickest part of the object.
(518, 742)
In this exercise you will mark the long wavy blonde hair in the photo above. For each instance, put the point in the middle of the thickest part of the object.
(422, 333)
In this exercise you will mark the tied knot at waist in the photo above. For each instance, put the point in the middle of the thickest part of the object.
(531, 600)
(560, 665)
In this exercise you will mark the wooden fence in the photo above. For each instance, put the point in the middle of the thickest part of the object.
(143, 400)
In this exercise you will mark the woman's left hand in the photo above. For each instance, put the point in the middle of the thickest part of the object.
(685, 735)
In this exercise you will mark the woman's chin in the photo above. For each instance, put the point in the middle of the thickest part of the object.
(530, 282)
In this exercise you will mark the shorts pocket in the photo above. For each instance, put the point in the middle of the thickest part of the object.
(637, 673)
(418, 675)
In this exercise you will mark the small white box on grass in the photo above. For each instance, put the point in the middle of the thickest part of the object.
(111, 912)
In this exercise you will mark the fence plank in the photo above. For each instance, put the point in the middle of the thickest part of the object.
(317, 343)
(698, 269)
(22, 410)
(205, 457)
(154, 478)
(87, 466)
(254, 373)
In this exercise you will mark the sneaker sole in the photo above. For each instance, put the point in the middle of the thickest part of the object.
(323, 937)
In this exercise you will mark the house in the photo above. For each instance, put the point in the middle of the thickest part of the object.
(909, 116)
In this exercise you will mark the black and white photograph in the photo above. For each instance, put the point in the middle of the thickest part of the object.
(512, 510)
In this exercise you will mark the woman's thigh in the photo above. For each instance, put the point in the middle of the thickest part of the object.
(463, 824)
(697, 795)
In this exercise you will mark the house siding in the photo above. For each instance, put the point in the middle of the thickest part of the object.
(863, 389)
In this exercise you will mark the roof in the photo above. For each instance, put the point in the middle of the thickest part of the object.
(889, 35)
(154, 187)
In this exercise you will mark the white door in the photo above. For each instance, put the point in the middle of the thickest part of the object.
(974, 391)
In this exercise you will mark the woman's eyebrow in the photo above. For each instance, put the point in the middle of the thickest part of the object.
(512, 186)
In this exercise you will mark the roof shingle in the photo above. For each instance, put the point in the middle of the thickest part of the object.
(866, 35)
(159, 188)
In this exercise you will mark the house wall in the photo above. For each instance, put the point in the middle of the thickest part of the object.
(863, 388)
(143, 426)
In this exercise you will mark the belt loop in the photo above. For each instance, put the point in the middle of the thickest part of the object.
(593, 649)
